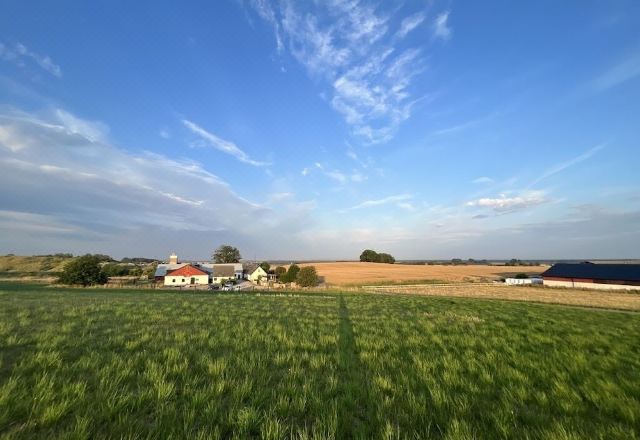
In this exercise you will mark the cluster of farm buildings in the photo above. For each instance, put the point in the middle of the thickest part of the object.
(574, 275)
(175, 273)
(587, 275)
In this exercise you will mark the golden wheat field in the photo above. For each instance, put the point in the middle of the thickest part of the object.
(356, 273)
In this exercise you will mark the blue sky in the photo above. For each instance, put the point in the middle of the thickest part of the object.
(317, 129)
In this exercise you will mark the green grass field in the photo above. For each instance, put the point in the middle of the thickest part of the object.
(146, 364)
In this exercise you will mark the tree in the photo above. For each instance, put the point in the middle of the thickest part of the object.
(102, 258)
(280, 270)
(226, 254)
(307, 277)
(265, 266)
(369, 256)
(386, 258)
(522, 276)
(83, 270)
(150, 270)
(291, 275)
(115, 270)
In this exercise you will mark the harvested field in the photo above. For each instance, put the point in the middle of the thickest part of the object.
(356, 273)
(573, 297)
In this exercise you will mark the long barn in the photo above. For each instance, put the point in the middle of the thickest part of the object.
(593, 276)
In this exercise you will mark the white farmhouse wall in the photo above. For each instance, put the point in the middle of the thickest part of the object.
(181, 280)
(257, 274)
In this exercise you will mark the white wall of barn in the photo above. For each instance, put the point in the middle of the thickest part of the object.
(181, 280)
(582, 285)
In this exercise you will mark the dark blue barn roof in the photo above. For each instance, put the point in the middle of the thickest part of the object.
(621, 272)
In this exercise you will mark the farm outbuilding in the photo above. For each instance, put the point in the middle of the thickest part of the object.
(185, 276)
(593, 276)
(523, 281)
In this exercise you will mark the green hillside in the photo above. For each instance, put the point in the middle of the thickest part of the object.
(16, 265)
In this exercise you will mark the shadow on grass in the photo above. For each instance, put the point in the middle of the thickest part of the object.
(357, 415)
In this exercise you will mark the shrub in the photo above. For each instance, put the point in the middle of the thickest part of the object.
(83, 270)
(280, 270)
(291, 275)
(115, 270)
(307, 277)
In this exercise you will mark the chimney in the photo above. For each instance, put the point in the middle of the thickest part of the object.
(173, 259)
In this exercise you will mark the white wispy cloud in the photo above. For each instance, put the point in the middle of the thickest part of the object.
(348, 44)
(503, 203)
(267, 13)
(406, 206)
(336, 175)
(482, 180)
(441, 27)
(18, 53)
(357, 176)
(222, 145)
(410, 23)
(555, 169)
(623, 71)
(72, 188)
(383, 201)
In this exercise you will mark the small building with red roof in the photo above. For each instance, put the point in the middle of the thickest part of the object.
(186, 275)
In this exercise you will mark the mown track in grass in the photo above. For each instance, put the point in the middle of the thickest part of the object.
(102, 364)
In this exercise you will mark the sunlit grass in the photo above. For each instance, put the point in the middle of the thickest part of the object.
(127, 364)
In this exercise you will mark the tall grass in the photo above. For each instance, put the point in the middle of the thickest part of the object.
(118, 364)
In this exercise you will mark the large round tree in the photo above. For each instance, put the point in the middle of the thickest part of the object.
(83, 270)
(226, 254)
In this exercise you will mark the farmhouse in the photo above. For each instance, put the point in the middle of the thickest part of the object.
(255, 273)
(593, 276)
(186, 275)
(173, 273)
(219, 273)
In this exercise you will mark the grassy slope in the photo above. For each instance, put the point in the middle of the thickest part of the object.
(18, 265)
(94, 364)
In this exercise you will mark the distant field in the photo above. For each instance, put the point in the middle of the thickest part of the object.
(81, 363)
(355, 273)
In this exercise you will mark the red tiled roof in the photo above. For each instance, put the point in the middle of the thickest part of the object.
(187, 271)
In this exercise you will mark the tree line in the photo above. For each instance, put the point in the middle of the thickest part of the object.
(371, 256)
